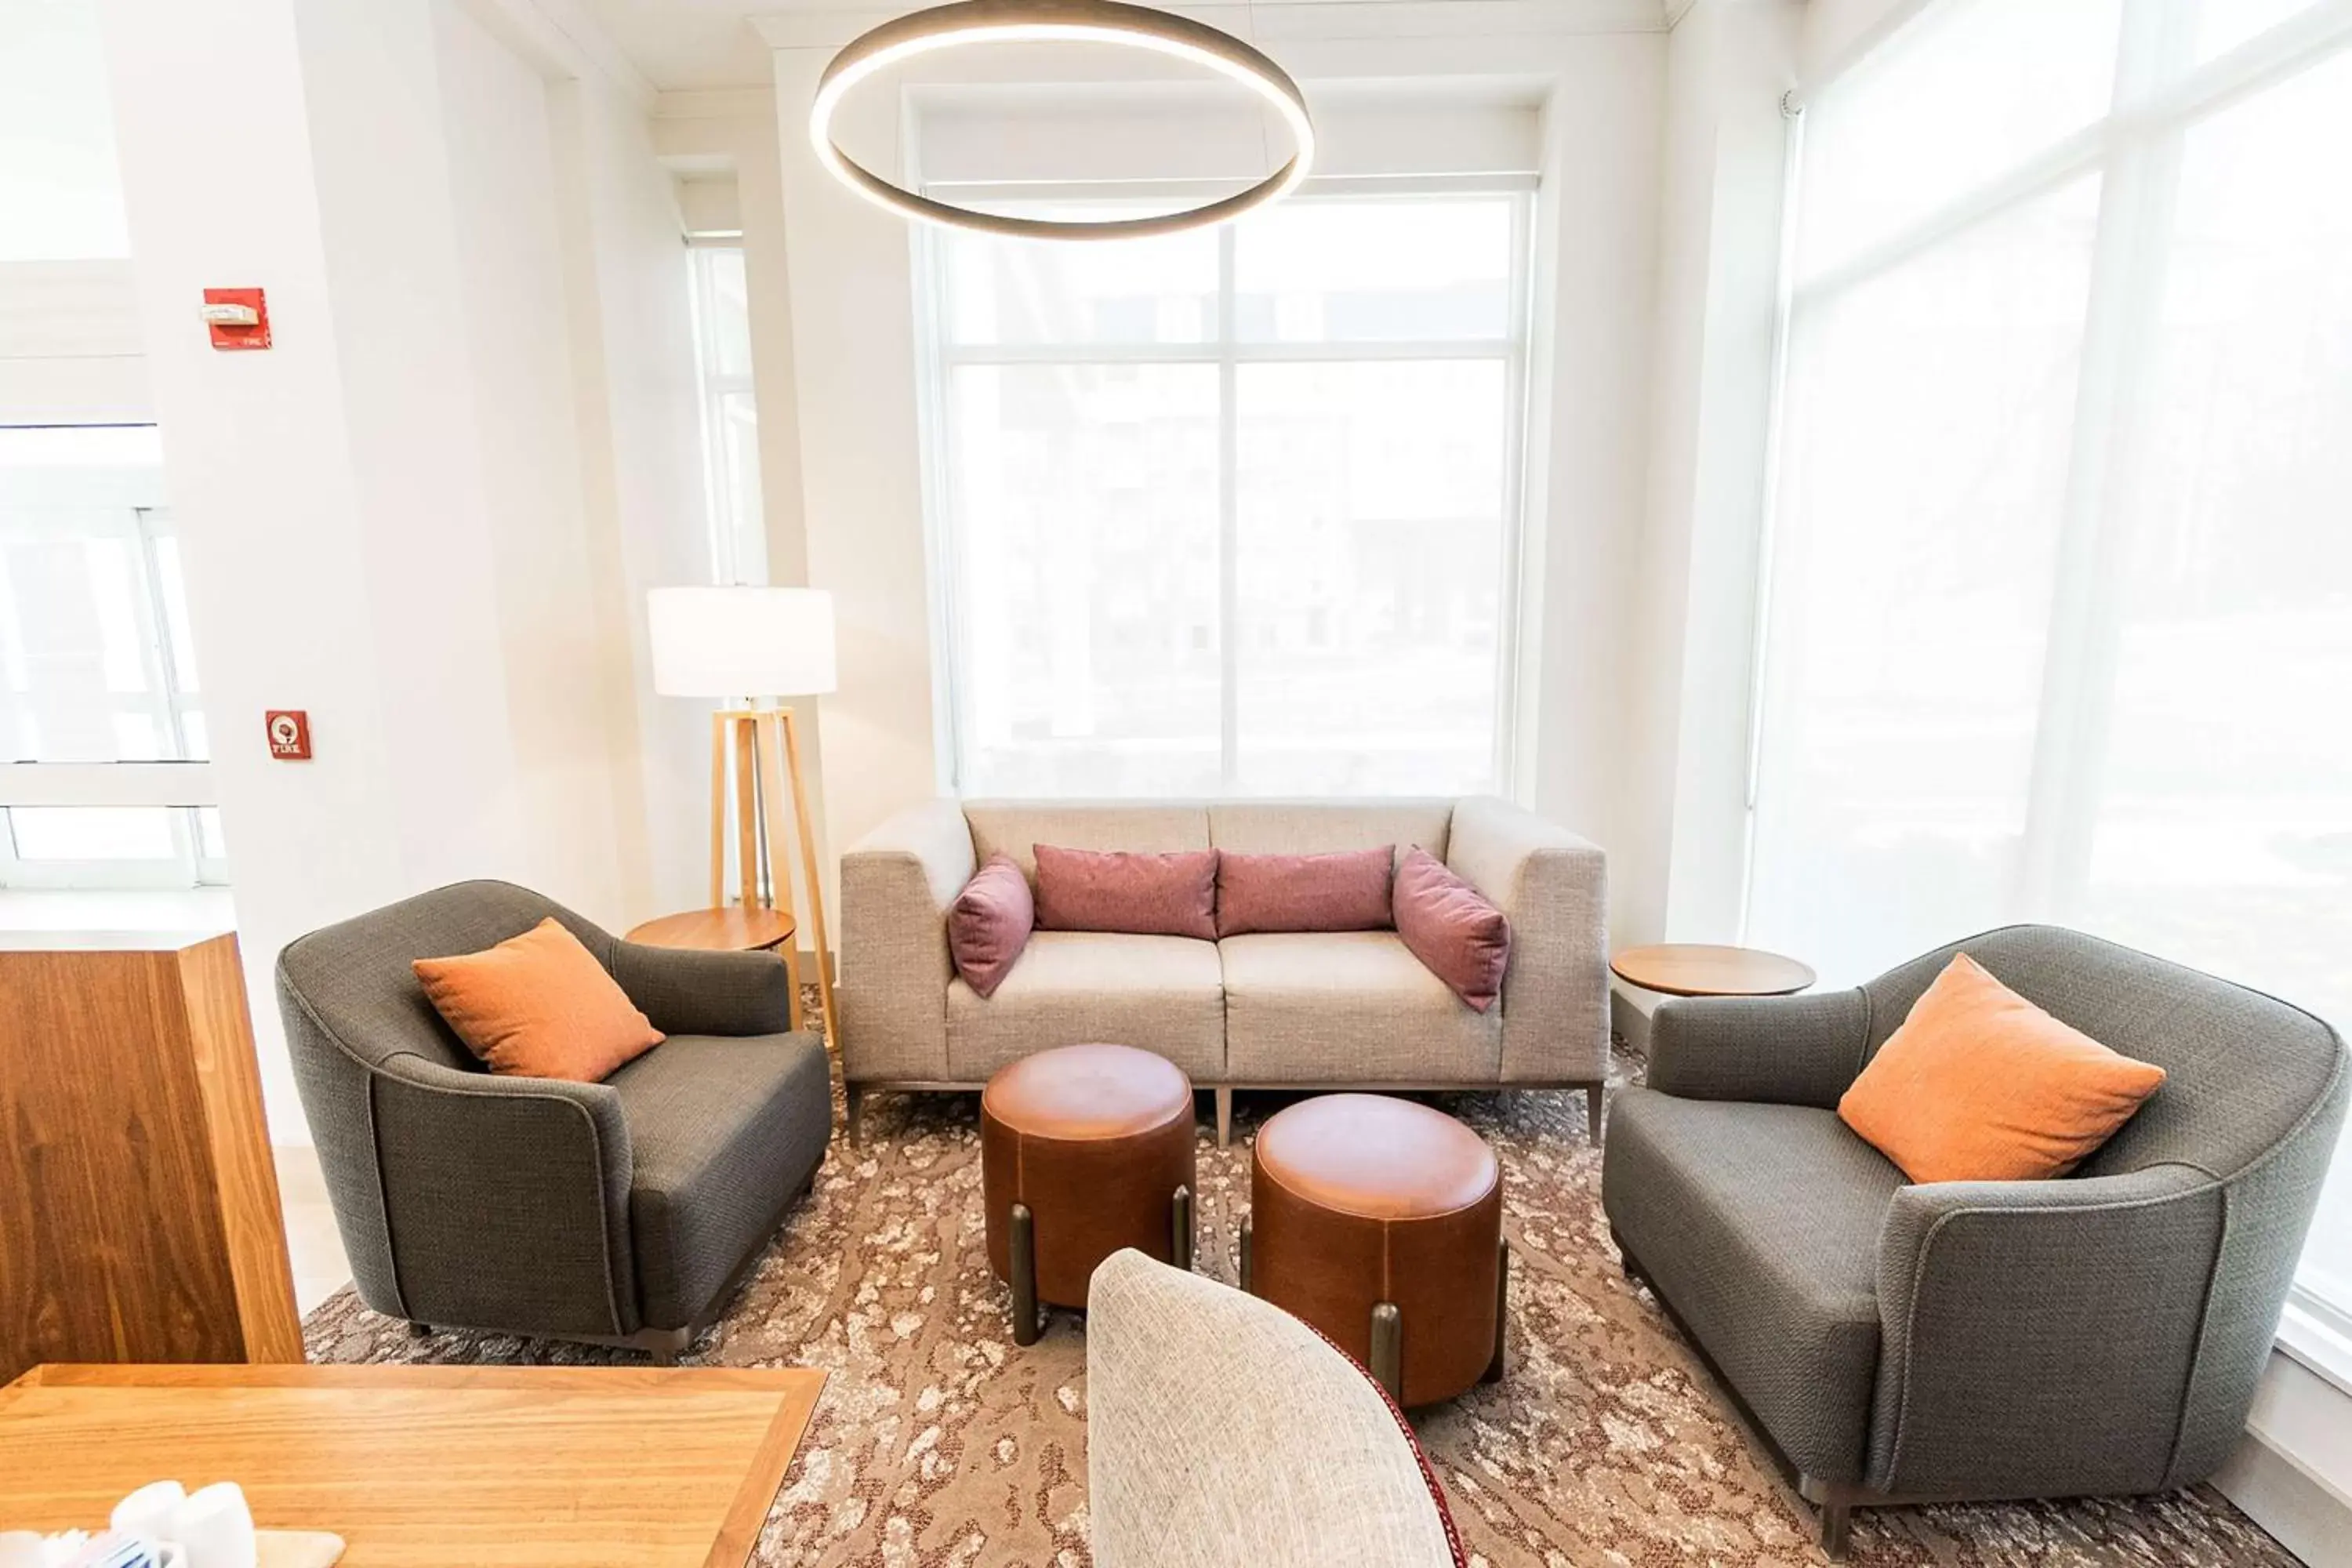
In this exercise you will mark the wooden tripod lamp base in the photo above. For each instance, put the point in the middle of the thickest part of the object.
(759, 750)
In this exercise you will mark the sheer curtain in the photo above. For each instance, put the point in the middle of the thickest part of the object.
(2059, 623)
(1232, 512)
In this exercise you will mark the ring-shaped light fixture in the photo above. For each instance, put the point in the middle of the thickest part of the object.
(969, 22)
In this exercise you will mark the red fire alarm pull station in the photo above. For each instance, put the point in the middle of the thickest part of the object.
(289, 736)
(237, 317)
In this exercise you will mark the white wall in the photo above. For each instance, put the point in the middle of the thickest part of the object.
(428, 513)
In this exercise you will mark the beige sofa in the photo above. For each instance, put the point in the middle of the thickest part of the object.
(1351, 1009)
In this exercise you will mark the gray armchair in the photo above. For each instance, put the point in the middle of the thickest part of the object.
(623, 1212)
(2099, 1333)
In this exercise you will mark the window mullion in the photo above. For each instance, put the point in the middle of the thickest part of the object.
(1228, 525)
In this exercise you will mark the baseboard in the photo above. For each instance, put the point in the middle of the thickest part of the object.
(2289, 1474)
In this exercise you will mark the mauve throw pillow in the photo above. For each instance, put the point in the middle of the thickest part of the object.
(1347, 891)
(988, 925)
(1118, 890)
(1449, 926)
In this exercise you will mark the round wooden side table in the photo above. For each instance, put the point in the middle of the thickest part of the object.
(737, 928)
(1700, 969)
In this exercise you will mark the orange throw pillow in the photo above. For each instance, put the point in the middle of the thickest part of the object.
(539, 1006)
(1981, 1085)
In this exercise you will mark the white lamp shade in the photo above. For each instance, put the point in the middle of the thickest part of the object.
(741, 642)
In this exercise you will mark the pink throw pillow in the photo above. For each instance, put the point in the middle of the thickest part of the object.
(1449, 926)
(1143, 895)
(988, 925)
(1347, 891)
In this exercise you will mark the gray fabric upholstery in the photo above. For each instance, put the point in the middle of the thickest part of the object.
(1759, 1222)
(1223, 1431)
(896, 886)
(1553, 887)
(1158, 993)
(2100, 1332)
(1352, 1006)
(476, 1201)
(1785, 1050)
(726, 1130)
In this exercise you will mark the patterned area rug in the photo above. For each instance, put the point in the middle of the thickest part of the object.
(939, 1443)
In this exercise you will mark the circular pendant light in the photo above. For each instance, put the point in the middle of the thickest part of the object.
(972, 21)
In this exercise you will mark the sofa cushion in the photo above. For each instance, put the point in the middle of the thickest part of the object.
(1017, 827)
(723, 1129)
(1345, 891)
(1325, 827)
(1158, 993)
(1122, 891)
(990, 922)
(1347, 1007)
(1759, 1224)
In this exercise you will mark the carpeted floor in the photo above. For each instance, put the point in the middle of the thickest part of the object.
(938, 1442)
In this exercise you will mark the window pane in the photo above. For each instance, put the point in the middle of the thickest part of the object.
(1371, 538)
(1374, 271)
(2223, 24)
(2224, 824)
(1085, 519)
(92, 833)
(1964, 94)
(1161, 291)
(727, 310)
(1929, 423)
(210, 842)
(79, 644)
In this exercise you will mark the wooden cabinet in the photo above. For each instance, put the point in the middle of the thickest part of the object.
(139, 1213)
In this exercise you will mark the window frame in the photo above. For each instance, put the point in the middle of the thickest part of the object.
(1227, 352)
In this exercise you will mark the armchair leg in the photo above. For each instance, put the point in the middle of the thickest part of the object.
(1836, 1507)
(1594, 1094)
(1245, 1260)
(1494, 1368)
(1224, 1117)
(665, 1345)
(1024, 1276)
(854, 1097)
(1388, 1350)
(1180, 1229)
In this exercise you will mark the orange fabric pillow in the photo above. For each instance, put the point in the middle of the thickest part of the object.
(539, 1006)
(1981, 1085)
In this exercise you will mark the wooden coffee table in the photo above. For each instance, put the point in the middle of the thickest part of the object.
(425, 1467)
(1698, 969)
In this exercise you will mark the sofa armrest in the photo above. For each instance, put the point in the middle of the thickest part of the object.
(506, 1199)
(2039, 1338)
(1221, 1429)
(1785, 1050)
(896, 883)
(1553, 888)
(688, 992)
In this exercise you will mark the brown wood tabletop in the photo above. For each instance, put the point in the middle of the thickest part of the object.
(734, 928)
(426, 1466)
(1698, 969)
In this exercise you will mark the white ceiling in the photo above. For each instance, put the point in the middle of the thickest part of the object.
(682, 44)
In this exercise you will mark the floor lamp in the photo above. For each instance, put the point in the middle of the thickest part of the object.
(752, 646)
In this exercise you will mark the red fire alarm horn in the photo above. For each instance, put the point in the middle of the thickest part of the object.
(237, 317)
(289, 734)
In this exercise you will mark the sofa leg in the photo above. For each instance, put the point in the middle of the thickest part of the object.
(1593, 1095)
(1180, 1229)
(1494, 1368)
(1836, 1507)
(854, 1097)
(1245, 1260)
(1024, 1276)
(1388, 1350)
(667, 1345)
(1225, 1118)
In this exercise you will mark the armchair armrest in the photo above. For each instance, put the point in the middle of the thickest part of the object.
(2039, 1338)
(1553, 888)
(1221, 1430)
(896, 883)
(685, 992)
(506, 1199)
(1784, 1050)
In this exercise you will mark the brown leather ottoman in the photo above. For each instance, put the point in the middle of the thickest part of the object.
(1380, 1222)
(1083, 1150)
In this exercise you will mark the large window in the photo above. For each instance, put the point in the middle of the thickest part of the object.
(1233, 511)
(2060, 614)
(730, 411)
(96, 671)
